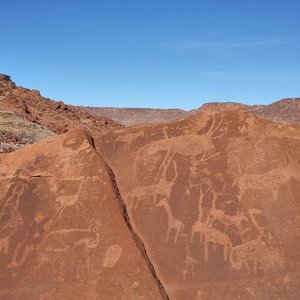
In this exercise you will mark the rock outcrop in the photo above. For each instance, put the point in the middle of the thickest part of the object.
(16, 132)
(64, 231)
(215, 198)
(55, 116)
(206, 207)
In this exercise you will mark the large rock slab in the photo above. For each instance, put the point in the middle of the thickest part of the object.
(64, 232)
(216, 200)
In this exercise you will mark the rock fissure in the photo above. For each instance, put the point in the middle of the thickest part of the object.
(138, 241)
(40, 176)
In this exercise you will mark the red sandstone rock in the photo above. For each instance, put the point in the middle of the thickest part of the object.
(215, 198)
(64, 232)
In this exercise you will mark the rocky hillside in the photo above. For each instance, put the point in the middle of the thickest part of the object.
(55, 116)
(16, 132)
(27, 117)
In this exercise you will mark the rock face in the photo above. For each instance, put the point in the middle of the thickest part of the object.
(64, 231)
(215, 198)
(206, 207)
(55, 116)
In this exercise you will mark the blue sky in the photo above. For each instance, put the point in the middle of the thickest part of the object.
(158, 53)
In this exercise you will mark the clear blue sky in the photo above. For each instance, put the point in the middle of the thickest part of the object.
(153, 53)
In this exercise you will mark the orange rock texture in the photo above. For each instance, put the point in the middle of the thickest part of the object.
(215, 197)
(64, 233)
(207, 207)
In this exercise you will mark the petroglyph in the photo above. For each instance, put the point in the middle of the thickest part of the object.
(162, 188)
(172, 222)
(20, 254)
(190, 262)
(68, 200)
(208, 234)
(271, 181)
(65, 239)
(256, 253)
(4, 244)
(128, 138)
(9, 205)
(9, 225)
(190, 265)
(186, 145)
(112, 256)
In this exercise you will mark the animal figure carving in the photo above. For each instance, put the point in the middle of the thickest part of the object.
(162, 188)
(65, 239)
(128, 138)
(256, 253)
(9, 205)
(173, 223)
(186, 145)
(207, 233)
(271, 181)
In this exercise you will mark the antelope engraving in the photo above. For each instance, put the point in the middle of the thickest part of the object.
(67, 200)
(271, 181)
(173, 223)
(162, 188)
(207, 233)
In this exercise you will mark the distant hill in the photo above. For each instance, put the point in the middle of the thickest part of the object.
(136, 116)
(283, 111)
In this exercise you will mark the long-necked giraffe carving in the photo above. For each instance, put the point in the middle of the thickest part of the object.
(172, 222)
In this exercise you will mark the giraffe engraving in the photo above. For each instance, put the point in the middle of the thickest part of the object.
(172, 222)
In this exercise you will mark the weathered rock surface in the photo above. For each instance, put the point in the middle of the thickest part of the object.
(216, 200)
(64, 231)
